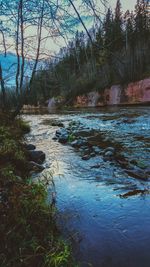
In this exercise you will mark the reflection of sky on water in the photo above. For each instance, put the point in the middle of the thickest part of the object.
(106, 230)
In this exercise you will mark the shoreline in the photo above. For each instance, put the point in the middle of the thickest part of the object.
(28, 224)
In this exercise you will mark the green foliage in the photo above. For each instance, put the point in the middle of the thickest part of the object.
(60, 256)
(23, 125)
(29, 236)
(71, 138)
(119, 53)
(10, 149)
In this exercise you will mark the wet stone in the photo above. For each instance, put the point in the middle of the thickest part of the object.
(86, 150)
(147, 171)
(63, 138)
(92, 154)
(79, 143)
(30, 147)
(96, 149)
(55, 138)
(33, 166)
(137, 174)
(110, 149)
(36, 156)
(86, 157)
(109, 154)
(61, 131)
(59, 124)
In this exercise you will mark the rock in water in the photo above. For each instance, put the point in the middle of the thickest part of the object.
(30, 147)
(36, 156)
(35, 167)
(61, 131)
(78, 143)
(86, 157)
(112, 149)
(108, 154)
(63, 138)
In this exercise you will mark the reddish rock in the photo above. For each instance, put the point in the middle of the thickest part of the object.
(134, 93)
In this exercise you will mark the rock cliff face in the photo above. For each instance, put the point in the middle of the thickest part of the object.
(133, 93)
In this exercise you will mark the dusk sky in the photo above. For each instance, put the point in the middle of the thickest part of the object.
(126, 4)
(54, 45)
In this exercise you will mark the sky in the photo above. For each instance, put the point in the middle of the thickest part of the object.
(126, 4)
(52, 46)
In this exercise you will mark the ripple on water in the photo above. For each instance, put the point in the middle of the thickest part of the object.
(106, 229)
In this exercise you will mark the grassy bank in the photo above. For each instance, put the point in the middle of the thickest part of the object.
(29, 235)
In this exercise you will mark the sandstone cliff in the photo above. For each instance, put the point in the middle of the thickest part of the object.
(133, 93)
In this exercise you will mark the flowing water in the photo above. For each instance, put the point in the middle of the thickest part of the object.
(106, 229)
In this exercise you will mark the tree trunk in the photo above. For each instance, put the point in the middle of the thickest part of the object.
(3, 89)
(22, 45)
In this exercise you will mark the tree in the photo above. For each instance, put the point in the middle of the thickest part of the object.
(49, 19)
(118, 27)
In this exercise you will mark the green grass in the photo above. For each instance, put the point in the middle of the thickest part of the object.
(29, 235)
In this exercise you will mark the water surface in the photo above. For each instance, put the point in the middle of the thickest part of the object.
(107, 230)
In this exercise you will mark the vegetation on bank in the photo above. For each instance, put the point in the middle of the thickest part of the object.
(29, 235)
(117, 52)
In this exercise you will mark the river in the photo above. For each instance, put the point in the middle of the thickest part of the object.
(104, 210)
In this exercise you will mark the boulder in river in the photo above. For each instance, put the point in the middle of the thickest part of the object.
(137, 174)
(79, 143)
(36, 156)
(147, 171)
(63, 138)
(96, 149)
(30, 147)
(35, 167)
(109, 152)
(57, 123)
(61, 131)
(92, 154)
(111, 149)
(86, 157)
(55, 138)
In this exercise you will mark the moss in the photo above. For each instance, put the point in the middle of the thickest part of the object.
(29, 235)
(23, 125)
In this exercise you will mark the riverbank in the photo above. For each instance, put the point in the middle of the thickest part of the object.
(132, 94)
(29, 234)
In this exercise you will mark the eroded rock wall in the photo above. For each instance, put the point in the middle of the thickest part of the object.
(133, 93)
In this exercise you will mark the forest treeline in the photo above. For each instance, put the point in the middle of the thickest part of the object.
(115, 51)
